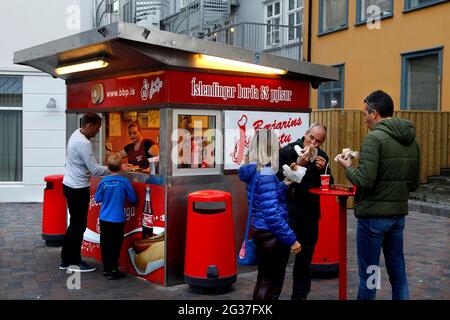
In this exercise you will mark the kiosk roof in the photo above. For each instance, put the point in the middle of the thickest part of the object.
(130, 48)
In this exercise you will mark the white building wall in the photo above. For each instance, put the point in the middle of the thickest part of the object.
(250, 11)
(23, 24)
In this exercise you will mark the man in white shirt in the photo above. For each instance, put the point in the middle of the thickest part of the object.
(80, 165)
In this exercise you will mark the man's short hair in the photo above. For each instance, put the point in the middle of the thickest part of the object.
(319, 125)
(381, 102)
(114, 163)
(90, 118)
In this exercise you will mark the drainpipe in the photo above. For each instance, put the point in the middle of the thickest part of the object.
(310, 2)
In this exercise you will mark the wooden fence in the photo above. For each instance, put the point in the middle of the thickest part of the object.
(346, 129)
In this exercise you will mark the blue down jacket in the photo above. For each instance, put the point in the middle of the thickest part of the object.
(269, 204)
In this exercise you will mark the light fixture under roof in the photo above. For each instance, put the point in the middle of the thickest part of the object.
(92, 64)
(212, 62)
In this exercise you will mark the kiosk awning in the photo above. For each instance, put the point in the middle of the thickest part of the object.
(129, 48)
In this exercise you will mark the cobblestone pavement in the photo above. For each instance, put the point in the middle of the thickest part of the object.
(29, 269)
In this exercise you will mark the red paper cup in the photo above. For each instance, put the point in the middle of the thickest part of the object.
(325, 182)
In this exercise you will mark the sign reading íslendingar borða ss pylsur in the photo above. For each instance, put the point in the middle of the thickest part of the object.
(189, 88)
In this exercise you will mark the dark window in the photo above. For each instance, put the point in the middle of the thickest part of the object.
(367, 9)
(333, 15)
(331, 93)
(414, 4)
(11, 128)
(421, 80)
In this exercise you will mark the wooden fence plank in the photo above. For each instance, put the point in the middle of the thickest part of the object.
(431, 141)
(437, 145)
(445, 134)
(346, 129)
(334, 141)
(421, 134)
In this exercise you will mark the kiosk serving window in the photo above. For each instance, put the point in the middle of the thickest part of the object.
(135, 135)
(197, 143)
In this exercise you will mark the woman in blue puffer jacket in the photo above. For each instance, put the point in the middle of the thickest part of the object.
(273, 237)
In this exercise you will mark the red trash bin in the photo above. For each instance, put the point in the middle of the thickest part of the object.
(326, 252)
(210, 259)
(54, 211)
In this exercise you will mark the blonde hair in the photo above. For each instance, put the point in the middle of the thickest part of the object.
(264, 149)
(114, 163)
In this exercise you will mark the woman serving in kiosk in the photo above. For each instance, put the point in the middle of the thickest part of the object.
(140, 149)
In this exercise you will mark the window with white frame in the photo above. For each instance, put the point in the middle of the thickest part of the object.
(116, 7)
(273, 13)
(421, 80)
(369, 8)
(183, 3)
(295, 19)
(333, 15)
(11, 128)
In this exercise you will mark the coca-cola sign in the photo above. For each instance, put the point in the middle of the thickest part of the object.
(240, 126)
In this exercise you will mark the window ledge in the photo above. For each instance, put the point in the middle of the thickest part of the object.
(11, 183)
(423, 6)
(333, 30)
(363, 22)
(329, 108)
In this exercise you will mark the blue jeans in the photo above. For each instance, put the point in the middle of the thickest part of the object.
(372, 234)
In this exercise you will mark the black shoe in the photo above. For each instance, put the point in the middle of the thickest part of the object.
(81, 267)
(114, 275)
(63, 265)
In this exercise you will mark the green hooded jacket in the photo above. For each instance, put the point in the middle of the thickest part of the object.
(388, 170)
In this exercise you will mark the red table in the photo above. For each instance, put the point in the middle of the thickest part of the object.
(342, 196)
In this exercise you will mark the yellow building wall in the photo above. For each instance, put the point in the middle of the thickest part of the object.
(373, 57)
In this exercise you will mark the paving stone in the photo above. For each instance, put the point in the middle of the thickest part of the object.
(29, 269)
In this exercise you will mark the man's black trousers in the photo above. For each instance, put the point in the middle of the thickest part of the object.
(306, 229)
(78, 203)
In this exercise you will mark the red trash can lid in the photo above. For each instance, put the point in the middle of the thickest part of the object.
(54, 177)
(209, 195)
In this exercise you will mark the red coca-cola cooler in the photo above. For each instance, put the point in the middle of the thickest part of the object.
(210, 260)
(54, 211)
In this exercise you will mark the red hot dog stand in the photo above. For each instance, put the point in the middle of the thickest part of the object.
(200, 101)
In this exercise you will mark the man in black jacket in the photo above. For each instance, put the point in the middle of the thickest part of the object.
(304, 207)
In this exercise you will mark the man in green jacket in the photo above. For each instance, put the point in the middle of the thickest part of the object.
(388, 170)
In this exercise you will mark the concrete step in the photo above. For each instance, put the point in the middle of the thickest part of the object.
(439, 180)
(429, 208)
(433, 188)
(445, 172)
(439, 194)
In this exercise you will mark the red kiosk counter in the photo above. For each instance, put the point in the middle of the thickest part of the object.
(199, 101)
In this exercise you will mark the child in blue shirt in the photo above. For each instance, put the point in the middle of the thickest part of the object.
(111, 192)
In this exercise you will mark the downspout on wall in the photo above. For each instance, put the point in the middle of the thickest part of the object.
(310, 2)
